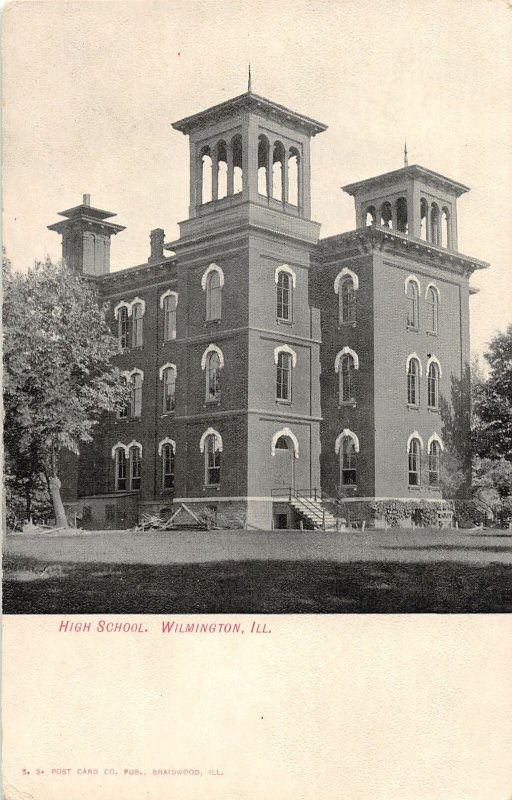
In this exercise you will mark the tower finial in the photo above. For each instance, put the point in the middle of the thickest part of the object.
(406, 159)
(249, 81)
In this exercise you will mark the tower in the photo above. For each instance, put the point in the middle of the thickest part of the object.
(247, 337)
(86, 237)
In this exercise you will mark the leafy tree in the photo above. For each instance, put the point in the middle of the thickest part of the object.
(493, 402)
(59, 376)
(492, 484)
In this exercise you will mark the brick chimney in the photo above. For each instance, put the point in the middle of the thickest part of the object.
(156, 238)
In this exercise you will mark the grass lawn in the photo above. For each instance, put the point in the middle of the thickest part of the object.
(255, 586)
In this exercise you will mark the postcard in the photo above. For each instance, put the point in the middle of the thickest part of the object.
(257, 400)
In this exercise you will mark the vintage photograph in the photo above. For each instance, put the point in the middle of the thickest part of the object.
(275, 376)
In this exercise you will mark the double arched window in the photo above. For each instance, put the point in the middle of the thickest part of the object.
(133, 408)
(414, 447)
(128, 466)
(168, 377)
(125, 310)
(413, 380)
(212, 283)
(211, 446)
(345, 285)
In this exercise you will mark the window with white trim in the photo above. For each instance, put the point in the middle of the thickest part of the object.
(212, 458)
(346, 378)
(136, 395)
(212, 371)
(135, 467)
(432, 302)
(414, 461)
(169, 309)
(121, 470)
(433, 385)
(347, 300)
(137, 325)
(412, 305)
(434, 462)
(168, 464)
(213, 296)
(413, 382)
(122, 328)
(284, 376)
(348, 462)
(284, 296)
(169, 390)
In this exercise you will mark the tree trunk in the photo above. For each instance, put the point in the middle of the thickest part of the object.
(61, 521)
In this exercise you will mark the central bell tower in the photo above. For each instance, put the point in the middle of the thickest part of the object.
(250, 227)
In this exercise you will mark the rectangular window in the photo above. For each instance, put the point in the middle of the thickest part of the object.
(121, 471)
(136, 396)
(284, 305)
(414, 467)
(212, 462)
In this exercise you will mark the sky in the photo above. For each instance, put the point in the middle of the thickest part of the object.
(90, 90)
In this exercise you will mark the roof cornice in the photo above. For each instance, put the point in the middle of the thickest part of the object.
(249, 102)
(405, 173)
(374, 239)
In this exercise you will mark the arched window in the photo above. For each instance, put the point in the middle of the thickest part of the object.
(263, 166)
(222, 170)
(433, 385)
(413, 316)
(277, 171)
(347, 300)
(371, 216)
(136, 377)
(346, 378)
(211, 444)
(432, 299)
(213, 368)
(414, 457)
(206, 175)
(122, 327)
(284, 376)
(123, 412)
(423, 219)
(169, 390)
(236, 152)
(434, 459)
(434, 224)
(445, 228)
(121, 470)
(137, 324)
(413, 382)
(169, 303)
(386, 216)
(348, 462)
(213, 296)
(135, 467)
(401, 215)
(293, 177)
(284, 296)
(168, 461)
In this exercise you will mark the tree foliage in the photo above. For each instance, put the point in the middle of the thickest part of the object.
(58, 373)
(493, 402)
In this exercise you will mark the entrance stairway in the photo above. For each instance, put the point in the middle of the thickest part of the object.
(309, 506)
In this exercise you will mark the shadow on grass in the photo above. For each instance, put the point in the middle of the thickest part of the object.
(264, 587)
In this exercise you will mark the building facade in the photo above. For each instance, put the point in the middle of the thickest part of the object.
(273, 372)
